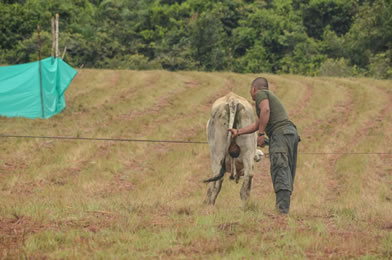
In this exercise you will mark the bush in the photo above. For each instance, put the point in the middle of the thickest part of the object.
(380, 65)
(336, 68)
(254, 61)
(138, 62)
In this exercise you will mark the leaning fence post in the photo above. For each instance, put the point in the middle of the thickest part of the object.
(65, 50)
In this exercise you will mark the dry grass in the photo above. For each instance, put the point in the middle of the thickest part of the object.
(82, 200)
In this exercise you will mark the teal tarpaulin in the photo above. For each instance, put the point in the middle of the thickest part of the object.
(20, 90)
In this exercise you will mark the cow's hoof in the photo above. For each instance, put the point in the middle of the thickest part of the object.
(244, 195)
(208, 202)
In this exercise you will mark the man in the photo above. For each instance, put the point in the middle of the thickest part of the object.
(283, 140)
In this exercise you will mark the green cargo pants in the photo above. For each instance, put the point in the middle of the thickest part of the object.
(283, 156)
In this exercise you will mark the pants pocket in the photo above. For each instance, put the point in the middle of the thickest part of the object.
(279, 160)
(280, 172)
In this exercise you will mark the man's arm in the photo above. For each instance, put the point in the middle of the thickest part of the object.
(264, 118)
(249, 129)
(264, 115)
(246, 130)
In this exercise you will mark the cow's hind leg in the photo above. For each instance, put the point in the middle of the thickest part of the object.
(247, 184)
(213, 191)
(246, 187)
(215, 187)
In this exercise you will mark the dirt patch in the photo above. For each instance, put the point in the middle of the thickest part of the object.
(229, 228)
(13, 166)
(387, 226)
(135, 165)
(345, 244)
(192, 83)
(14, 232)
(160, 103)
(335, 185)
(28, 188)
(197, 247)
(340, 115)
(115, 78)
(193, 181)
(220, 93)
(98, 220)
(118, 184)
(229, 84)
(304, 101)
(262, 184)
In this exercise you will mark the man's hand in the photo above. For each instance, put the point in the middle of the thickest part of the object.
(234, 132)
(260, 141)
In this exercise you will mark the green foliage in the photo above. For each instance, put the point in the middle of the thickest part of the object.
(276, 36)
(207, 39)
(381, 65)
(319, 14)
(137, 62)
(16, 22)
(304, 59)
(336, 68)
(370, 37)
(255, 60)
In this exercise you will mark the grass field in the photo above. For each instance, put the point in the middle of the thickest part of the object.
(116, 200)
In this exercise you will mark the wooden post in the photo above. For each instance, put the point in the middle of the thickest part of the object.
(39, 42)
(53, 37)
(40, 72)
(57, 35)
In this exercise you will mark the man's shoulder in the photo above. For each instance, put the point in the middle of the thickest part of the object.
(261, 95)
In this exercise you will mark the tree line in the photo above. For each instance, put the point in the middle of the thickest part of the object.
(309, 37)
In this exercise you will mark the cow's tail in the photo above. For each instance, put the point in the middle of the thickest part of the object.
(221, 172)
(232, 114)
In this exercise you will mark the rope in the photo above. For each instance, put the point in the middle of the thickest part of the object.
(104, 139)
(172, 141)
(331, 153)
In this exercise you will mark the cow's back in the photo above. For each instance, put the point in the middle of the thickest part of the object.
(223, 101)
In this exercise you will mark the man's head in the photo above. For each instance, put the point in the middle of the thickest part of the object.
(258, 84)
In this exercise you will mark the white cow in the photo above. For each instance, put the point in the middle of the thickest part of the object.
(231, 111)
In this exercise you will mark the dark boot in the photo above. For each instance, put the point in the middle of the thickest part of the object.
(283, 201)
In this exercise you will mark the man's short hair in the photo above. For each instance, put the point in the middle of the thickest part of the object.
(260, 83)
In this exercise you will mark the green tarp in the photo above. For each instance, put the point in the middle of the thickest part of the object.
(20, 88)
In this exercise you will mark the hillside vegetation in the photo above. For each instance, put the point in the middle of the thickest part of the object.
(308, 37)
(122, 200)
